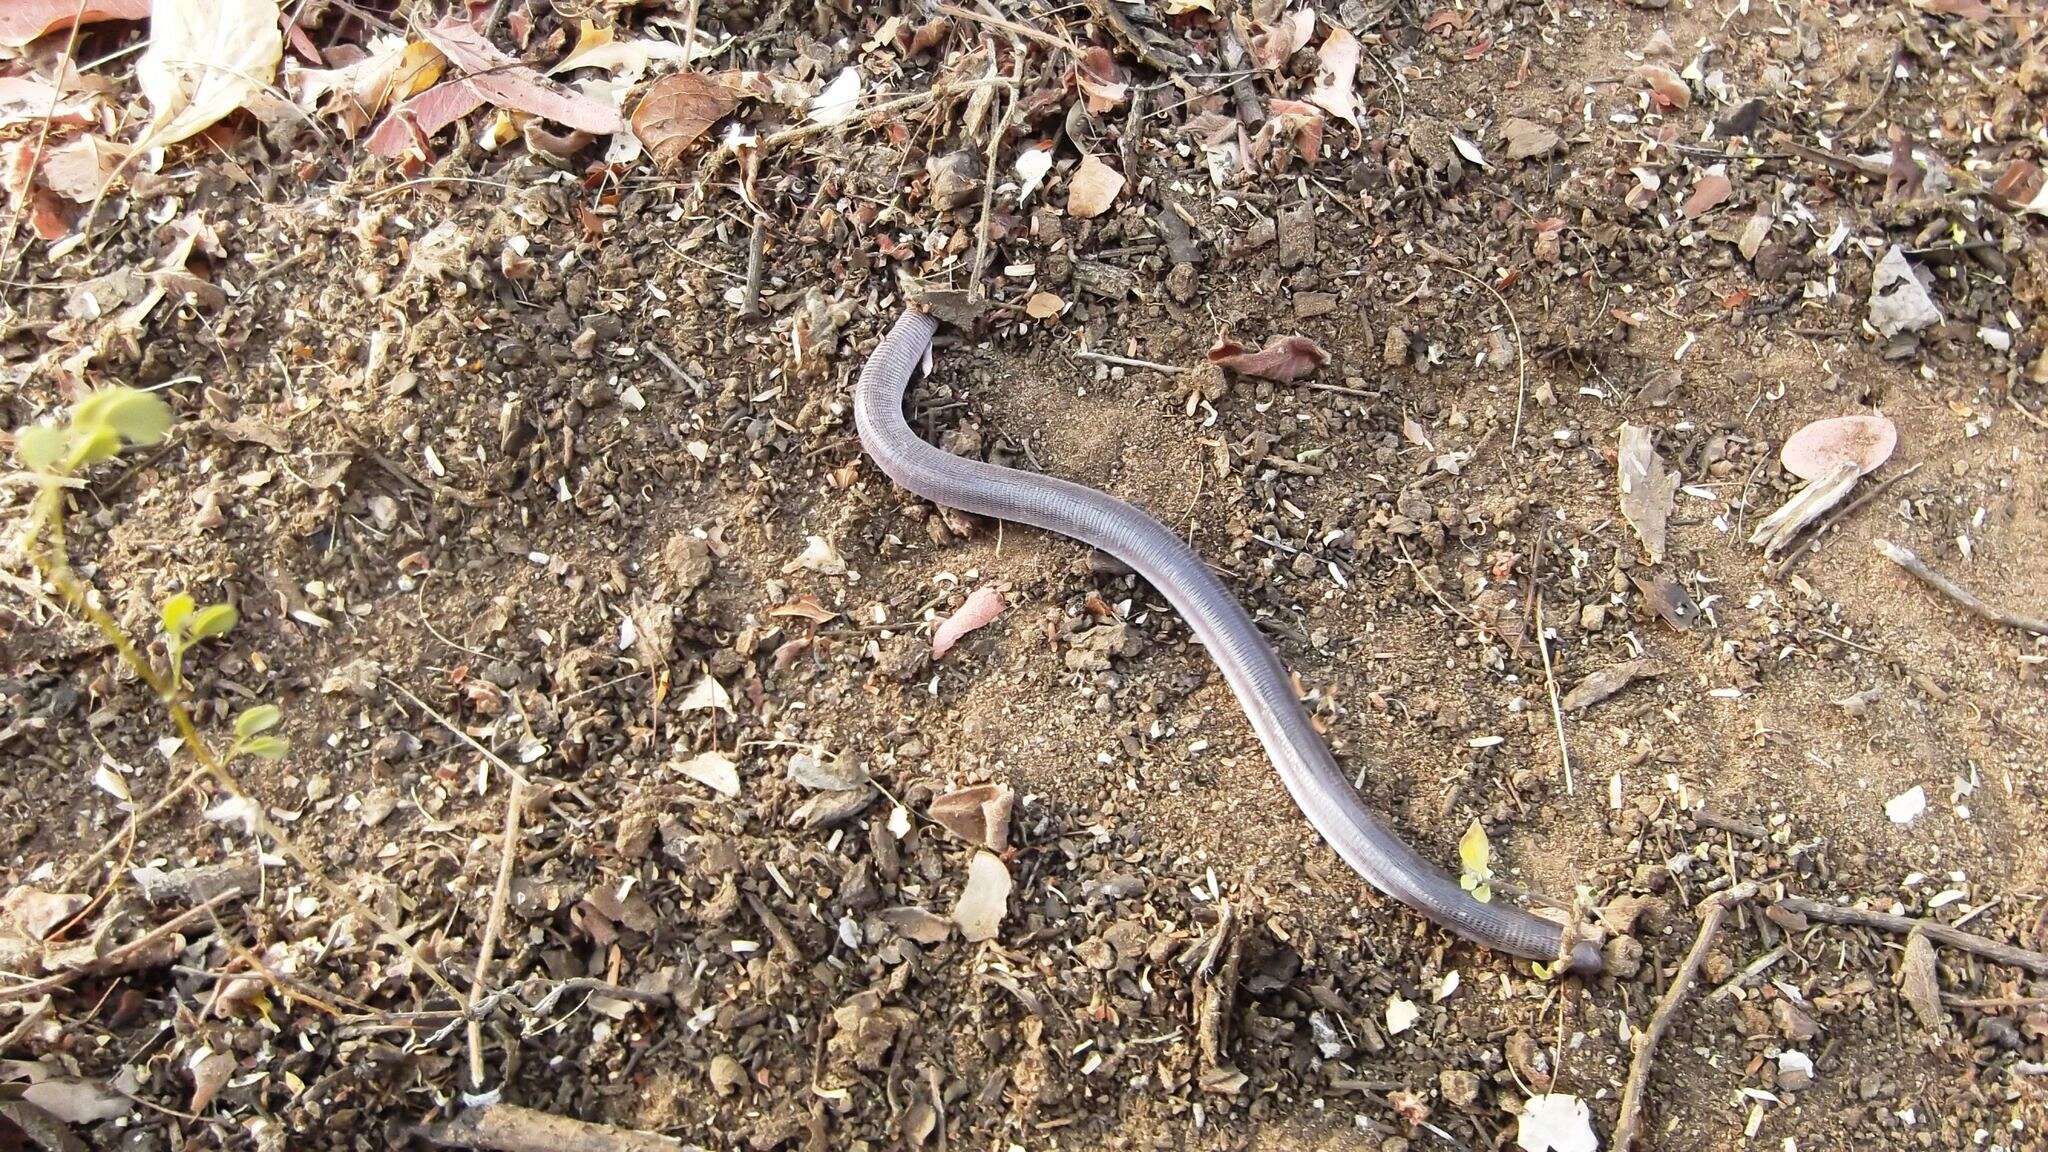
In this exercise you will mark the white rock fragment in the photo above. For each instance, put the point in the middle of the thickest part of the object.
(1899, 302)
(985, 900)
(1907, 806)
(1556, 1122)
(1795, 1071)
(715, 771)
(1401, 1015)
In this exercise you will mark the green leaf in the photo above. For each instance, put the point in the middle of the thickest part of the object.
(268, 747)
(1476, 854)
(140, 417)
(261, 718)
(39, 446)
(90, 445)
(175, 612)
(91, 412)
(1474, 850)
(212, 620)
(1544, 972)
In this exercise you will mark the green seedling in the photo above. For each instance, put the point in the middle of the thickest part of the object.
(1475, 853)
(56, 455)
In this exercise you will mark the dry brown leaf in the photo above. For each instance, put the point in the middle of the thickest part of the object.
(1102, 87)
(1284, 358)
(79, 169)
(1336, 75)
(1093, 188)
(677, 111)
(1044, 306)
(1667, 88)
(1669, 599)
(1606, 682)
(205, 59)
(1646, 488)
(1526, 138)
(415, 121)
(1299, 125)
(507, 83)
(1712, 191)
(22, 21)
(1275, 42)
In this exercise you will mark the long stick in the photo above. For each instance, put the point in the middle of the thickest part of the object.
(1904, 558)
(500, 897)
(1713, 910)
(1992, 950)
(509, 1129)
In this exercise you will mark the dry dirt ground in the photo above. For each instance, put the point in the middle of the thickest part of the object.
(500, 477)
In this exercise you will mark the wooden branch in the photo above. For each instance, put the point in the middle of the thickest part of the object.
(1712, 910)
(125, 956)
(507, 1128)
(1992, 950)
(1904, 558)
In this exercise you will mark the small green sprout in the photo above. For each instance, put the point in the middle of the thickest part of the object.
(1476, 854)
(100, 424)
(185, 624)
(252, 736)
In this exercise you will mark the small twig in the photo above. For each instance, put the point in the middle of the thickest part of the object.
(501, 896)
(876, 112)
(457, 731)
(1813, 542)
(35, 160)
(1556, 712)
(1128, 362)
(1992, 950)
(988, 183)
(124, 955)
(1010, 26)
(1521, 356)
(1904, 558)
(1713, 910)
(2022, 409)
(757, 244)
(506, 1128)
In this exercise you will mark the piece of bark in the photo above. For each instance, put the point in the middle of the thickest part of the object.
(1647, 489)
(509, 1128)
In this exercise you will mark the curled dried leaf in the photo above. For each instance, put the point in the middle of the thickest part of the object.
(677, 111)
(1093, 188)
(1284, 358)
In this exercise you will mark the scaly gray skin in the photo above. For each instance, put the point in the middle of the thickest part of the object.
(1246, 659)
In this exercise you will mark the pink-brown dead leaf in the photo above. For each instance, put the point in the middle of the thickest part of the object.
(507, 83)
(1710, 193)
(1093, 188)
(1273, 43)
(1102, 87)
(22, 21)
(1667, 88)
(415, 121)
(1292, 128)
(78, 170)
(1284, 358)
(1820, 447)
(677, 111)
(1336, 76)
(984, 605)
(26, 99)
(1967, 9)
